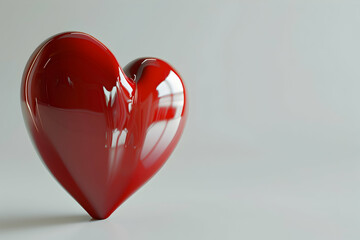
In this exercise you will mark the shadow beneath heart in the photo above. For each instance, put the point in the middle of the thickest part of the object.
(14, 223)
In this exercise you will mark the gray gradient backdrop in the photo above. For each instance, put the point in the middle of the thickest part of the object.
(272, 145)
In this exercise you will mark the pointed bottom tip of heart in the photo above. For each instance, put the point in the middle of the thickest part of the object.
(97, 217)
(99, 212)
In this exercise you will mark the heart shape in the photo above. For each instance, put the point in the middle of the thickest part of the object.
(102, 131)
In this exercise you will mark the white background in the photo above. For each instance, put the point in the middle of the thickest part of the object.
(272, 145)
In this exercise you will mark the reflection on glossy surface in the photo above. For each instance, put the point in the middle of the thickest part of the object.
(102, 132)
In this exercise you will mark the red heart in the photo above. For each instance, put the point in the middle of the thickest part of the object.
(102, 131)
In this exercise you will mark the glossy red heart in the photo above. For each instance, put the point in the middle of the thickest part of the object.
(102, 131)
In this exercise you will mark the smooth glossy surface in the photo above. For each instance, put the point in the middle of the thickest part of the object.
(101, 131)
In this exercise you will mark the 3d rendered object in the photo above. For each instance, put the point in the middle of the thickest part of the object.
(101, 130)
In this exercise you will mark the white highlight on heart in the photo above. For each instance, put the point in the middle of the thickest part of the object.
(161, 132)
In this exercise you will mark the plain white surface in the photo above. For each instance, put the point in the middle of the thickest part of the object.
(272, 145)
